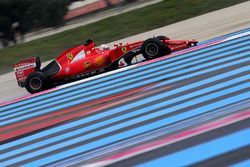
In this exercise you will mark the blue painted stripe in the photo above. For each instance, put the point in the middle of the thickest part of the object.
(135, 121)
(118, 81)
(152, 135)
(125, 134)
(245, 163)
(155, 79)
(123, 108)
(225, 36)
(128, 115)
(119, 74)
(203, 151)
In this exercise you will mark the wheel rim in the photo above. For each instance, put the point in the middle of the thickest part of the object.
(35, 83)
(152, 49)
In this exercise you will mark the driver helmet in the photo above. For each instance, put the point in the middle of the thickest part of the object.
(104, 47)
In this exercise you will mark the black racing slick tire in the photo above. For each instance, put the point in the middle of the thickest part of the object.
(36, 82)
(161, 37)
(153, 48)
(166, 49)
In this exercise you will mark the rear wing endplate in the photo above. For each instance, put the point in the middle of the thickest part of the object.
(24, 68)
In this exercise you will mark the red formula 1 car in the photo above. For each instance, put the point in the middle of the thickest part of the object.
(86, 60)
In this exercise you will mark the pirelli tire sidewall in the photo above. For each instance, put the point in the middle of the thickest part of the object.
(36, 82)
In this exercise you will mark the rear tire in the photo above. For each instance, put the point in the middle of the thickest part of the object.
(36, 82)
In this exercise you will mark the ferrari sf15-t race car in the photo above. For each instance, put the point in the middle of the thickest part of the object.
(87, 60)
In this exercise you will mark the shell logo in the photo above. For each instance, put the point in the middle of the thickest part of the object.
(87, 65)
(99, 61)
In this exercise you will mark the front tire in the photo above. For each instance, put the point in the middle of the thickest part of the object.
(36, 82)
(161, 37)
(153, 48)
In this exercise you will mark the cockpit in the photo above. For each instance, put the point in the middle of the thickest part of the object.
(90, 44)
(103, 47)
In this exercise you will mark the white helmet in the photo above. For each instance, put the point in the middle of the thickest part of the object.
(104, 47)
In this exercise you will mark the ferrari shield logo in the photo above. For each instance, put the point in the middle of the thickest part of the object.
(124, 49)
(70, 56)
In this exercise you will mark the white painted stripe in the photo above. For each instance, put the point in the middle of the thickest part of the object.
(237, 36)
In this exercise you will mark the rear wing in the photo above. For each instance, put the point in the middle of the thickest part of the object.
(24, 68)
